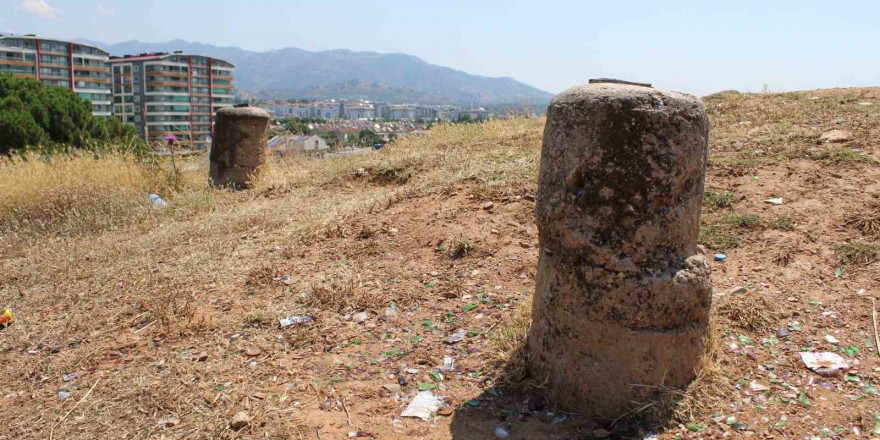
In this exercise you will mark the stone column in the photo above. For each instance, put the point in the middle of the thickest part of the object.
(238, 150)
(622, 297)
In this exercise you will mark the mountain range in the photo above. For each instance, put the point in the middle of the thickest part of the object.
(293, 73)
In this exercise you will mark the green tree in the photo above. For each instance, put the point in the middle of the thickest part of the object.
(34, 114)
(367, 138)
(18, 128)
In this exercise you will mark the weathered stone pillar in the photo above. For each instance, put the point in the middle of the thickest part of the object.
(239, 147)
(622, 297)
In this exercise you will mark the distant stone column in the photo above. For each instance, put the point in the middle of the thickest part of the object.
(622, 297)
(238, 150)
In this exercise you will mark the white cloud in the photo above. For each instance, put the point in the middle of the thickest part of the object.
(105, 10)
(39, 8)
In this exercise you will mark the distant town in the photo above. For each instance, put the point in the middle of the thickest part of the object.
(177, 95)
(358, 109)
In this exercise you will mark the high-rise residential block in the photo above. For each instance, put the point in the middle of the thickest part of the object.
(82, 68)
(175, 94)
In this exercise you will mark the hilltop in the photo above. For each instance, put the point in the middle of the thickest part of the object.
(169, 316)
(343, 74)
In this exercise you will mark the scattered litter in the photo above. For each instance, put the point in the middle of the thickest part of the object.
(756, 386)
(734, 291)
(63, 394)
(782, 333)
(824, 363)
(501, 432)
(456, 337)
(411, 370)
(720, 257)
(294, 320)
(831, 340)
(156, 200)
(422, 406)
(360, 317)
(391, 312)
(286, 280)
(169, 422)
(774, 201)
(740, 426)
(69, 377)
(6, 317)
(359, 433)
(448, 363)
(860, 292)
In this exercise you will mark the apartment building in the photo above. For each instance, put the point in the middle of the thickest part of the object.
(175, 94)
(82, 68)
(358, 110)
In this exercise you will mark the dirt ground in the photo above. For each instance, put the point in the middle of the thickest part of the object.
(390, 288)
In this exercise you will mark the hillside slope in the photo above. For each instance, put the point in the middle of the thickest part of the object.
(169, 317)
(298, 73)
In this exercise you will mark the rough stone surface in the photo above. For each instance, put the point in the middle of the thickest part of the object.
(835, 136)
(622, 294)
(239, 147)
(240, 420)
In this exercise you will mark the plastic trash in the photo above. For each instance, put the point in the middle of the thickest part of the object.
(156, 200)
(825, 363)
(448, 364)
(774, 201)
(6, 317)
(294, 320)
(501, 432)
(422, 406)
(456, 337)
(720, 257)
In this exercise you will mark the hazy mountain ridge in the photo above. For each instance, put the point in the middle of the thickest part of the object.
(296, 73)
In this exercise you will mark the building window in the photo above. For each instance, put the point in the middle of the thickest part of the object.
(137, 98)
(137, 118)
(136, 89)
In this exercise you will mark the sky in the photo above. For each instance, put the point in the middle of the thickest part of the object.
(697, 47)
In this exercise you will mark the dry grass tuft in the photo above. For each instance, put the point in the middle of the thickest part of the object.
(859, 253)
(508, 356)
(668, 405)
(867, 222)
(344, 293)
(751, 310)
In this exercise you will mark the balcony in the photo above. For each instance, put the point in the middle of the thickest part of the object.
(167, 84)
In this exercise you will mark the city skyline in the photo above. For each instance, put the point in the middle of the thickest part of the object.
(687, 45)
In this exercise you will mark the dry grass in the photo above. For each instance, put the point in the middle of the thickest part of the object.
(859, 253)
(508, 358)
(751, 310)
(669, 406)
(867, 222)
(73, 194)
